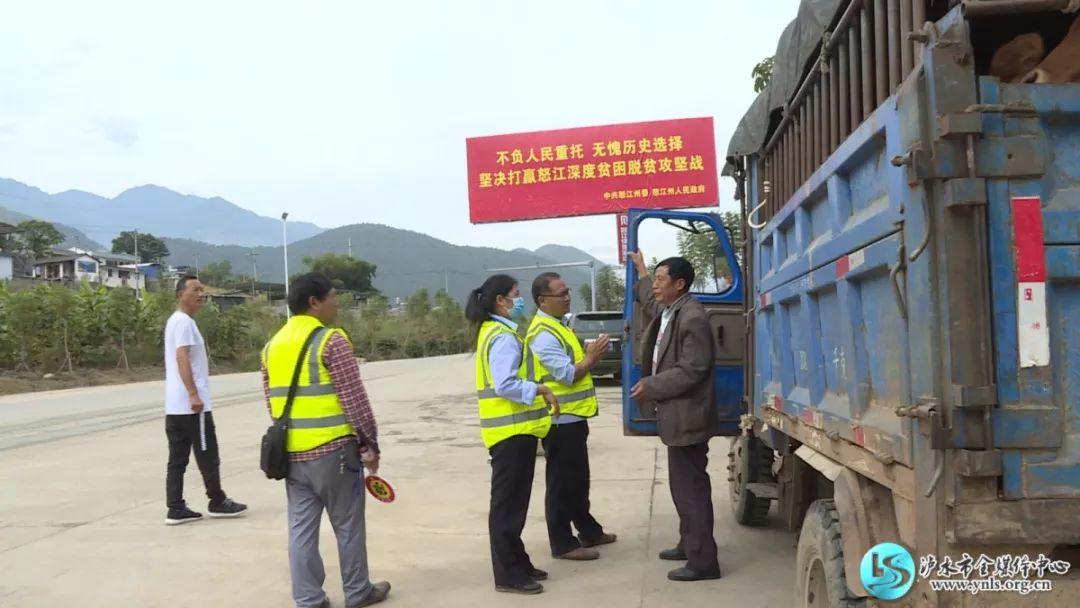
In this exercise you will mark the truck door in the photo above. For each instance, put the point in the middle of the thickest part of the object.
(1034, 230)
(703, 240)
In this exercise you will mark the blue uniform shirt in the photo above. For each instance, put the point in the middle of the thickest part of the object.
(504, 360)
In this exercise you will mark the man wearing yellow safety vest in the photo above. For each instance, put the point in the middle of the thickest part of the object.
(332, 437)
(514, 412)
(556, 359)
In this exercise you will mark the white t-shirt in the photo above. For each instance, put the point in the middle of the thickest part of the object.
(181, 330)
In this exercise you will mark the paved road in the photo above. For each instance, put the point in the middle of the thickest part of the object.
(82, 507)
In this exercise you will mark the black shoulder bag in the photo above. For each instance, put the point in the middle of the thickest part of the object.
(274, 458)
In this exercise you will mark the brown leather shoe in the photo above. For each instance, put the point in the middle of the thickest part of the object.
(581, 554)
(603, 539)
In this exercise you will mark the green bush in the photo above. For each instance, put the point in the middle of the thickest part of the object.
(49, 328)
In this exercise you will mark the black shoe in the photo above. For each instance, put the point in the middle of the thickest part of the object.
(538, 575)
(673, 555)
(686, 574)
(529, 588)
(183, 515)
(325, 603)
(227, 508)
(379, 591)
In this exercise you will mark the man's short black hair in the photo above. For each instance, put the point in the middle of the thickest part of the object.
(305, 287)
(181, 283)
(679, 268)
(542, 285)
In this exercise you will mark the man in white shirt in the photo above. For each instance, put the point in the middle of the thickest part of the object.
(188, 421)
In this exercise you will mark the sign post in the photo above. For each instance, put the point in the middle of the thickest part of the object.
(622, 222)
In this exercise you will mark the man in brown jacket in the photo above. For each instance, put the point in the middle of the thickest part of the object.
(677, 370)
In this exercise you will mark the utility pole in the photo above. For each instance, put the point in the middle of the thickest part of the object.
(350, 246)
(196, 264)
(446, 281)
(592, 281)
(254, 272)
(136, 236)
(285, 244)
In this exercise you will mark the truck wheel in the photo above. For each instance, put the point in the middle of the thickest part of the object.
(819, 562)
(749, 461)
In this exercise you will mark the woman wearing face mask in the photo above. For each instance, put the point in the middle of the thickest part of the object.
(510, 424)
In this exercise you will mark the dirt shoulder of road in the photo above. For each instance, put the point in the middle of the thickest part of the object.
(12, 383)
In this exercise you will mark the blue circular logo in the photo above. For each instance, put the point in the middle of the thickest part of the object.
(887, 571)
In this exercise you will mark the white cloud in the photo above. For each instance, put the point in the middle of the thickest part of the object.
(121, 132)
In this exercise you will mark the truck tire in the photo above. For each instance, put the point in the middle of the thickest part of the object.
(749, 461)
(819, 562)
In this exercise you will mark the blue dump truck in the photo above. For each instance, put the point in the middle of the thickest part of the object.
(898, 351)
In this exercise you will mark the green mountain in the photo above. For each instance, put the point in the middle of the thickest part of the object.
(73, 237)
(152, 209)
(406, 260)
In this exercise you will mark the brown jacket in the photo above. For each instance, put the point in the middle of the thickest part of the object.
(682, 388)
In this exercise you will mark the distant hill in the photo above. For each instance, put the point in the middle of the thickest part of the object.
(152, 209)
(73, 237)
(201, 231)
(406, 260)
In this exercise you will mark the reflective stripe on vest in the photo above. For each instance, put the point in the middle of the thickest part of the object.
(578, 399)
(502, 418)
(317, 417)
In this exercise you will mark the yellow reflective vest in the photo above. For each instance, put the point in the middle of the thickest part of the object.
(316, 417)
(502, 418)
(579, 398)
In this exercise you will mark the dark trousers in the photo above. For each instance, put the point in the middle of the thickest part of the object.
(567, 498)
(183, 433)
(691, 490)
(513, 463)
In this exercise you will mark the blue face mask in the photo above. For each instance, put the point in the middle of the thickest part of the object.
(518, 310)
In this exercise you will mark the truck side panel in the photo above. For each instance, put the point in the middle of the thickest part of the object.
(831, 334)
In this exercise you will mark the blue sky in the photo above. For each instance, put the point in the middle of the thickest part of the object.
(344, 112)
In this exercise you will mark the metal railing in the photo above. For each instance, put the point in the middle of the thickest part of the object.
(861, 62)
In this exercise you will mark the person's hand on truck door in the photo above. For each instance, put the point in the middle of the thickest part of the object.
(638, 391)
(638, 259)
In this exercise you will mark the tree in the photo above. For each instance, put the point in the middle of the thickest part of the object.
(763, 74)
(418, 305)
(610, 290)
(9, 346)
(27, 324)
(121, 316)
(150, 248)
(90, 322)
(702, 250)
(216, 274)
(36, 238)
(61, 305)
(345, 271)
(376, 307)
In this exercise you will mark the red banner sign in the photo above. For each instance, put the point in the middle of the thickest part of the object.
(622, 221)
(592, 170)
